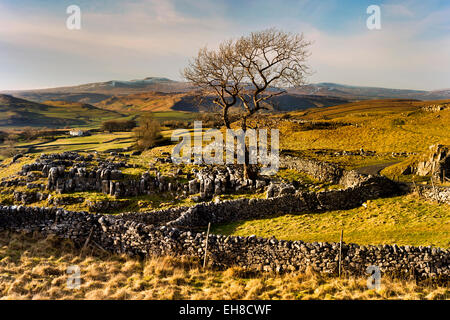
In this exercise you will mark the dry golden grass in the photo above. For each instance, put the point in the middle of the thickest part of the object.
(382, 126)
(148, 101)
(35, 268)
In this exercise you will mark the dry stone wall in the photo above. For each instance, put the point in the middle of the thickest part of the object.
(439, 194)
(243, 209)
(134, 238)
(324, 171)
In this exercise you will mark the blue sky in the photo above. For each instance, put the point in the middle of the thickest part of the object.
(140, 38)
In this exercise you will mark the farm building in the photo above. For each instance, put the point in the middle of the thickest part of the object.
(79, 133)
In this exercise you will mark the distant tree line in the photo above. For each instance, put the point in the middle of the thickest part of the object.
(118, 125)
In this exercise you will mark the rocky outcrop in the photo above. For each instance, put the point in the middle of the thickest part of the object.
(174, 231)
(436, 163)
(16, 182)
(214, 180)
(436, 107)
(68, 172)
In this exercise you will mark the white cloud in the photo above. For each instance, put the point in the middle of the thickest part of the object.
(152, 35)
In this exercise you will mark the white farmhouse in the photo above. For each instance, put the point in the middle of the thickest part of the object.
(78, 133)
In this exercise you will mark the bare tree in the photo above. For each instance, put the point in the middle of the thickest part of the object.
(218, 72)
(250, 71)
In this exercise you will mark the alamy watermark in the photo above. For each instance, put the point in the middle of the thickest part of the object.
(373, 22)
(73, 22)
(234, 145)
(74, 279)
(374, 280)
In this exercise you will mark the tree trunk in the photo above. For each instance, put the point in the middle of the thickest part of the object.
(250, 170)
(226, 120)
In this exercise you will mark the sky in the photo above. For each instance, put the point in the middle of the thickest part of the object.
(124, 40)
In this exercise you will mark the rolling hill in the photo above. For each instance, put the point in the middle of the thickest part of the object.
(158, 94)
(372, 107)
(16, 112)
(384, 126)
(162, 94)
(190, 102)
(363, 93)
(365, 107)
(99, 91)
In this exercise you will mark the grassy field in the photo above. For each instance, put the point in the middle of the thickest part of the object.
(97, 142)
(368, 107)
(92, 119)
(62, 143)
(378, 126)
(404, 220)
(34, 267)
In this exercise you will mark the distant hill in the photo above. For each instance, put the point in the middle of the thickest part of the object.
(86, 97)
(190, 102)
(148, 101)
(442, 92)
(363, 93)
(158, 94)
(366, 107)
(162, 94)
(16, 112)
(97, 92)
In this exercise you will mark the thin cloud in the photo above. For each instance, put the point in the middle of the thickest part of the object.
(158, 36)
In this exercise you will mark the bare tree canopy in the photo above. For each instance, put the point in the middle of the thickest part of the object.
(250, 70)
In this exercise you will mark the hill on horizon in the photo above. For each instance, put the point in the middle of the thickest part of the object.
(165, 85)
(367, 108)
(163, 94)
(365, 93)
(158, 94)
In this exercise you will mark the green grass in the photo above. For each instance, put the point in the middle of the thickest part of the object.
(96, 142)
(293, 175)
(142, 203)
(404, 220)
(12, 169)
